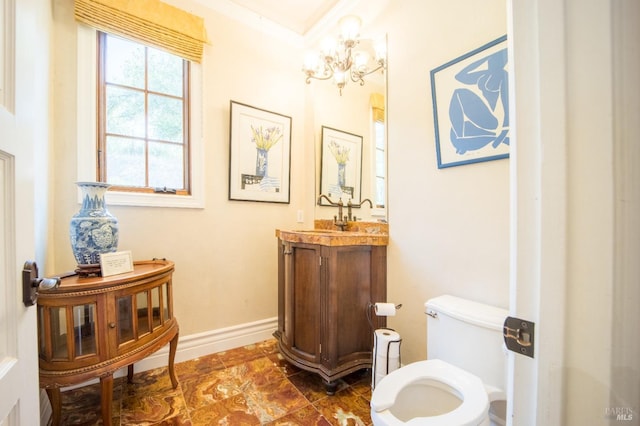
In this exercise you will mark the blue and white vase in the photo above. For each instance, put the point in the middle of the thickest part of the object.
(93, 230)
(342, 174)
(262, 161)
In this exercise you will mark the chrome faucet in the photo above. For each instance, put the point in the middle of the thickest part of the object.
(351, 205)
(339, 221)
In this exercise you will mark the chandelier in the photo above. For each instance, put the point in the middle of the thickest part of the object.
(339, 60)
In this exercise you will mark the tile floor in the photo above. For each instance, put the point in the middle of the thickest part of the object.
(250, 385)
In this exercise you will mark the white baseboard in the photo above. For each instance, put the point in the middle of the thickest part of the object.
(197, 345)
(201, 344)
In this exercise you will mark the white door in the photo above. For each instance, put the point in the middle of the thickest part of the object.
(24, 30)
(538, 197)
(575, 212)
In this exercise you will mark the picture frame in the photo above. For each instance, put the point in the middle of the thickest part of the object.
(259, 154)
(471, 106)
(341, 166)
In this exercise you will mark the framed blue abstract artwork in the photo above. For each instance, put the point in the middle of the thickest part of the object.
(471, 106)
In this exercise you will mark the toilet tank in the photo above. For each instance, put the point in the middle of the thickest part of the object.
(468, 335)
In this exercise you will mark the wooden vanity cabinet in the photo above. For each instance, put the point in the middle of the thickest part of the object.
(90, 327)
(325, 320)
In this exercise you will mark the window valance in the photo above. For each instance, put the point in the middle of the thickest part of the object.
(147, 21)
(377, 106)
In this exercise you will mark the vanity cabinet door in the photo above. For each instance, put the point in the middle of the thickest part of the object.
(302, 298)
(355, 277)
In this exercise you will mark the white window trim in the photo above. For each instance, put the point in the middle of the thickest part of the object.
(7, 55)
(86, 131)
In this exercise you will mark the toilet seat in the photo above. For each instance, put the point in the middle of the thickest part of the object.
(472, 411)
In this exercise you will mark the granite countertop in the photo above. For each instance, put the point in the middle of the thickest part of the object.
(325, 233)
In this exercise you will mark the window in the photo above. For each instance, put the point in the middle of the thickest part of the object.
(379, 154)
(380, 164)
(87, 131)
(143, 117)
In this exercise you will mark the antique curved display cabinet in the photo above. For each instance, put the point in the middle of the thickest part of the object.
(89, 327)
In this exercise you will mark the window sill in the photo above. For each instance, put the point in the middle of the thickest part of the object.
(115, 198)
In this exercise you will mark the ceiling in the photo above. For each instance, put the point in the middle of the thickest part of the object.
(303, 22)
(307, 20)
(299, 16)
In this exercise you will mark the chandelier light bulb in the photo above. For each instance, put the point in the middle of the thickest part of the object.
(350, 28)
(328, 47)
(380, 47)
(360, 60)
(311, 62)
(340, 79)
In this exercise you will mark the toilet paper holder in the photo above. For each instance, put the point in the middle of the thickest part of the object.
(373, 305)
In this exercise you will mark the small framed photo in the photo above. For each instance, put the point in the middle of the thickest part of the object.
(115, 263)
(259, 155)
(341, 168)
(471, 106)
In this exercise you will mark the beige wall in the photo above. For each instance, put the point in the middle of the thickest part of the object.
(449, 228)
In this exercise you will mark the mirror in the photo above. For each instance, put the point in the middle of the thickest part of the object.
(352, 112)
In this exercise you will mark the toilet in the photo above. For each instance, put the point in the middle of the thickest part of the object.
(462, 381)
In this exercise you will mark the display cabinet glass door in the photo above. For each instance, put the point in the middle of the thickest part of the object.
(141, 313)
(72, 332)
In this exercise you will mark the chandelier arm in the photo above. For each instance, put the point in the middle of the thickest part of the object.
(327, 72)
(356, 77)
(379, 67)
(322, 77)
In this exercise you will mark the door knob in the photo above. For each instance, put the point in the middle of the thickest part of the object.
(31, 283)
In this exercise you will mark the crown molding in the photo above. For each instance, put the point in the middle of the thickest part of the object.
(253, 20)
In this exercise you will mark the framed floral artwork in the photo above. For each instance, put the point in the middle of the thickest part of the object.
(259, 155)
(341, 166)
(471, 106)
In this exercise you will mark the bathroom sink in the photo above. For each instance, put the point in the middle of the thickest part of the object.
(318, 231)
(332, 237)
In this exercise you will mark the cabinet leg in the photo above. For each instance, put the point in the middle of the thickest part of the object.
(130, 373)
(55, 399)
(173, 345)
(330, 387)
(106, 391)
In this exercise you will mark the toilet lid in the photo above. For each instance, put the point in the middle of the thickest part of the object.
(472, 410)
